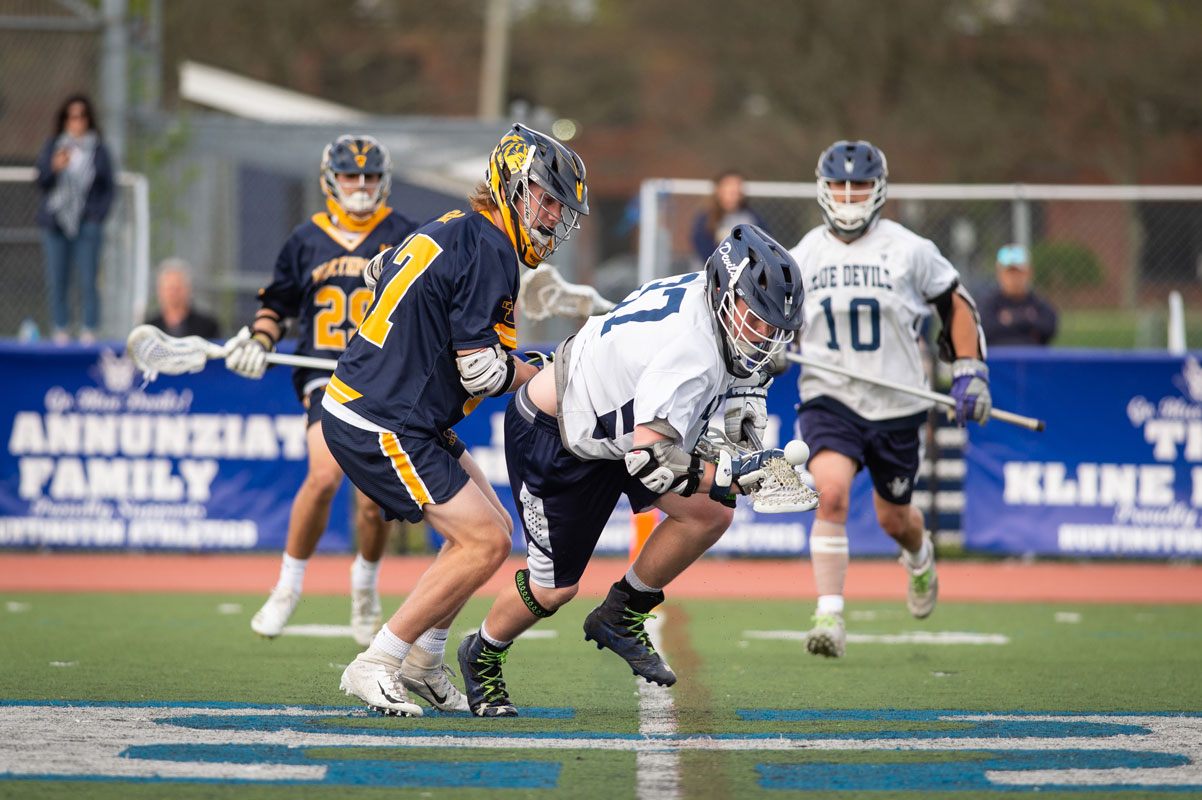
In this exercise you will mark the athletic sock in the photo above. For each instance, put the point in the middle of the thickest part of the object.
(434, 641)
(830, 604)
(640, 600)
(391, 644)
(920, 558)
(495, 643)
(364, 574)
(633, 581)
(292, 573)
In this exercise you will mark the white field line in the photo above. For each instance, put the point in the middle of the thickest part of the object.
(906, 637)
(657, 767)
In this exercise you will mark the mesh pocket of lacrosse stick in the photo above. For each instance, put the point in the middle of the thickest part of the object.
(544, 293)
(154, 352)
(782, 490)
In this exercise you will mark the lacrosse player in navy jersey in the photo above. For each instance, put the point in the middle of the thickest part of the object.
(870, 283)
(436, 341)
(318, 281)
(622, 409)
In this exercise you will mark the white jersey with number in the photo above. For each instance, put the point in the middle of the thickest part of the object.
(865, 303)
(654, 357)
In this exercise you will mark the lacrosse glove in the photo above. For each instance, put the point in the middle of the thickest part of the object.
(371, 273)
(970, 389)
(747, 399)
(248, 354)
(745, 472)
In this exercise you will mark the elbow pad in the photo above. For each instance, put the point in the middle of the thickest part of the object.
(488, 372)
(663, 467)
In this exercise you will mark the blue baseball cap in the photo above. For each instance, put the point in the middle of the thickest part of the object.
(1013, 255)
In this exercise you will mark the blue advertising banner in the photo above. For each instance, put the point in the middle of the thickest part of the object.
(94, 459)
(1118, 472)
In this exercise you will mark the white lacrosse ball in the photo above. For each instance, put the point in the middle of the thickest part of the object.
(796, 452)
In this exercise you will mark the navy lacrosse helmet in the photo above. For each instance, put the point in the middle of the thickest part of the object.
(524, 156)
(847, 162)
(751, 266)
(355, 155)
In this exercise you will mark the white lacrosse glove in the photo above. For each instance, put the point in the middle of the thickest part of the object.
(246, 354)
(371, 273)
(747, 399)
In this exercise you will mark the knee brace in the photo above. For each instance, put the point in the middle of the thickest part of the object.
(521, 579)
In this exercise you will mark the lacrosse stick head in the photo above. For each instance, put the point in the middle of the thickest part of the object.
(782, 491)
(155, 353)
(544, 293)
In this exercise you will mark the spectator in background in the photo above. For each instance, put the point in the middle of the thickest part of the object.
(728, 208)
(176, 315)
(75, 174)
(1013, 314)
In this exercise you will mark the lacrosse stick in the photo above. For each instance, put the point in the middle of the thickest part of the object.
(544, 293)
(1030, 423)
(155, 353)
(781, 491)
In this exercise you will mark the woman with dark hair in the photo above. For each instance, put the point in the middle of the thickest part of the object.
(76, 176)
(727, 208)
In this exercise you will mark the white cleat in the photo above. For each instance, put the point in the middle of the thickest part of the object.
(365, 615)
(923, 588)
(270, 620)
(426, 676)
(375, 678)
(828, 637)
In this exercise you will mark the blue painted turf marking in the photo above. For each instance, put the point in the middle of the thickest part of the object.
(980, 729)
(966, 775)
(366, 771)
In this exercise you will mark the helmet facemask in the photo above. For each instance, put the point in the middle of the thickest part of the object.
(747, 349)
(845, 216)
(363, 200)
(534, 214)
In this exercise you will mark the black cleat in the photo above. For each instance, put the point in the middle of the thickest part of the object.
(616, 626)
(481, 664)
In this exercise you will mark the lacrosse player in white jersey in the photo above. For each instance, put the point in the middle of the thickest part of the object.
(622, 409)
(869, 285)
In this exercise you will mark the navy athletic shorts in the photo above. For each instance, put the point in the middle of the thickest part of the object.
(890, 453)
(564, 502)
(400, 473)
(313, 410)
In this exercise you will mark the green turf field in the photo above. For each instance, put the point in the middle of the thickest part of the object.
(173, 696)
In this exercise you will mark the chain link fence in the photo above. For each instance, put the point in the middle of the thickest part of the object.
(1107, 257)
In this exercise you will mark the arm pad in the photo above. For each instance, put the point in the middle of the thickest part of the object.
(486, 372)
(943, 304)
(663, 467)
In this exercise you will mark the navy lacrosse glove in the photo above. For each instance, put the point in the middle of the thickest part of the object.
(970, 389)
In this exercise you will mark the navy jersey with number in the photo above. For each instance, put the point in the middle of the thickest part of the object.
(450, 286)
(318, 278)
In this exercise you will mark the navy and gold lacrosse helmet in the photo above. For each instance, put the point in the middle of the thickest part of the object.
(355, 155)
(524, 157)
